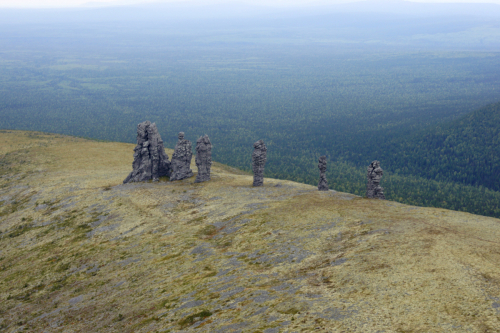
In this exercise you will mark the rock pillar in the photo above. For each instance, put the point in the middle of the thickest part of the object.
(203, 158)
(150, 159)
(374, 175)
(181, 159)
(323, 183)
(258, 162)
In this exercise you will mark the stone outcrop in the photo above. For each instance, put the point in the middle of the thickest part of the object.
(181, 159)
(203, 158)
(323, 183)
(258, 162)
(374, 175)
(150, 159)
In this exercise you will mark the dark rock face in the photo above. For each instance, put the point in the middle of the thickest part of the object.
(203, 158)
(181, 159)
(150, 159)
(374, 175)
(323, 183)
(258, 162)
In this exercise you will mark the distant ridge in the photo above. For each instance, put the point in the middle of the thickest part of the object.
(465, 150)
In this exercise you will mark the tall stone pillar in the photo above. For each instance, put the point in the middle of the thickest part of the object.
(150, 159)
(258, 162)
(374, 175)
(323, 183)
(203, 158)
(181, 159)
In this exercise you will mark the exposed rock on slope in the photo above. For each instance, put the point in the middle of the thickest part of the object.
(150, 159)
(203, 158)
(374, 175)
(181, 159)
(323, 183)
(80, 251)
(258, 162)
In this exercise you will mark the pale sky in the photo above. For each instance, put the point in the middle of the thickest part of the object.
(91, 3)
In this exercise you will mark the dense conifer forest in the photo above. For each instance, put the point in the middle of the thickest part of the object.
(465, 150)
(427, 113)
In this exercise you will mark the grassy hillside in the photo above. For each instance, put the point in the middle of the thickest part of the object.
(80, 251)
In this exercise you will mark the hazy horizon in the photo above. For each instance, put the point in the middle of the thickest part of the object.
(157, 11)
(36, 4)
(320, 78)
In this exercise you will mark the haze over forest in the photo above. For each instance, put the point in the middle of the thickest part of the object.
(412, 85)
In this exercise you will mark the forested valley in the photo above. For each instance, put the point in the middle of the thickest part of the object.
(424, 107)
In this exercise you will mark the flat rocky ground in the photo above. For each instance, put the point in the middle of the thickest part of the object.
(81, 252)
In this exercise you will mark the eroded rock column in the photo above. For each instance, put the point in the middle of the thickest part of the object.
(258, 162)
(203, 158)
(150, 159)
(374, 175)
(181, 159)
(323, 183)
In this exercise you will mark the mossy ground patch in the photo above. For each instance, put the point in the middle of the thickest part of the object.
(80, 250)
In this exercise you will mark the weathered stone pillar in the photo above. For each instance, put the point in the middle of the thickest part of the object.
(150, 159)
(181, 159)
(258, 162)
(374, 175)
(203, 158)
(323, 183)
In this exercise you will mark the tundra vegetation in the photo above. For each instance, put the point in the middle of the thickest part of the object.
(80, 250)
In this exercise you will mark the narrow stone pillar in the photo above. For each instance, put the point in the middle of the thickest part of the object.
(323, 183)
(181, 159)
(203, 158)
(258, 162)
(374, 175)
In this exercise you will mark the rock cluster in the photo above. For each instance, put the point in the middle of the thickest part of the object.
(203, 158)
(374, 175)
(151, 162)
(258, 162)
(323, 183)
(150, 159)
(181, 159)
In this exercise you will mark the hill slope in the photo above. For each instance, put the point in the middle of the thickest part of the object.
(80, 251)
(466, 150)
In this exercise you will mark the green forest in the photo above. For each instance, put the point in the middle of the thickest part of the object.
(427, 114)
(465, 150)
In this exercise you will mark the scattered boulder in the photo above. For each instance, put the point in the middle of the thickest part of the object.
(203, 158)
(323, 183)
(181, 159)
(258, 162)
(150, 159)
(374, 175)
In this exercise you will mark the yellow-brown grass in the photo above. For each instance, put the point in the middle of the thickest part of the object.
(81, 252)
